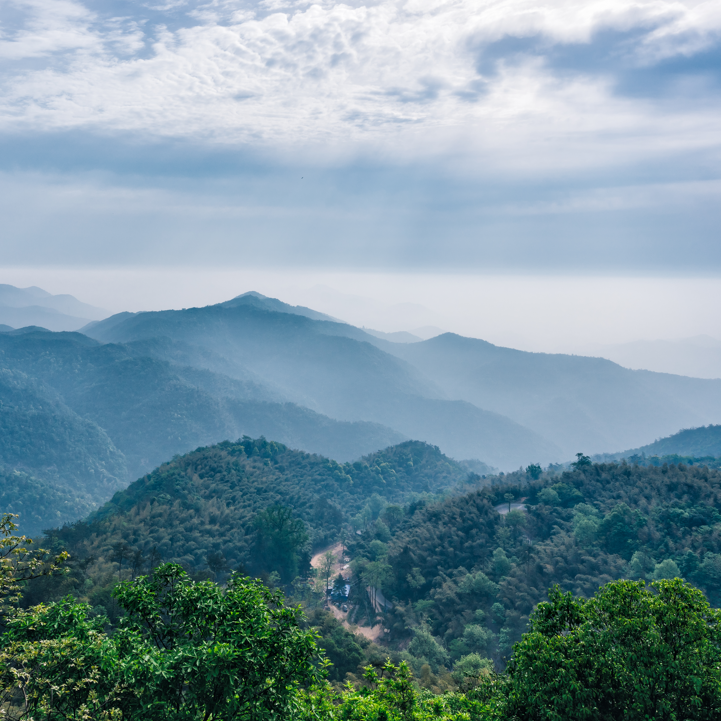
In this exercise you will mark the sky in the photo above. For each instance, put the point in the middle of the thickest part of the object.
(540, 170)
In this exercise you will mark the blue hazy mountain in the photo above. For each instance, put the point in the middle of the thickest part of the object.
(695, 443)
(579, 403)
(332, 368)
(21, 307)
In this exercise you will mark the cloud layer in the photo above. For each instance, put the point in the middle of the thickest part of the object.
(326, 72)
(463, 132)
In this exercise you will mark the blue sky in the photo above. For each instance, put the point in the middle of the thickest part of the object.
(418, 136)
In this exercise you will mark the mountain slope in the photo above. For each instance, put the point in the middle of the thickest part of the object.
(55, 466)
(209, 501)
(334, 369)
(699, 443)
(581, 404)
(153, 409)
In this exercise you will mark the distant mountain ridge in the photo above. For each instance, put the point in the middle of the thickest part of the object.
(579, 403)
(335, 369)
(703, 442)
(20, 307)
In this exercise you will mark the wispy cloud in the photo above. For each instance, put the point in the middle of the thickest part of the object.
(497, 133)
(284, 72)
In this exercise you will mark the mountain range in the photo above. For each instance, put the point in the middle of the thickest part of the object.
(22, 307)
(135, 389)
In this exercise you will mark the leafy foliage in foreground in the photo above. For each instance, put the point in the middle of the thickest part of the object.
(628, 653)
(183, 651)
(191, 651)
(18, 564)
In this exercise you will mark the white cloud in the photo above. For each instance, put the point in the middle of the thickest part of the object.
(402, 74)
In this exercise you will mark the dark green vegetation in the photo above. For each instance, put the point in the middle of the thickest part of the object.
(465, 578)
(255, 505)
(54, 464)
(193, 651)
(79, 420)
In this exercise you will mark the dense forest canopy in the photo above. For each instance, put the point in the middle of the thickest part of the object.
(465, 574)
(239, 505)
(462, 570)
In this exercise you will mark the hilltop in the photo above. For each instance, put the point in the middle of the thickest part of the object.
(690, 444)
(218, 503)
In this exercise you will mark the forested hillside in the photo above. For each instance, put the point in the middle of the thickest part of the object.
(461, 561)
(55, 465)
(84, 419)
(255, 505)
(465, 577)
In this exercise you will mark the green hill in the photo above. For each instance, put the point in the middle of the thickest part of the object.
(692, 443)
(215, 503)
(55, 465)
(470, 576)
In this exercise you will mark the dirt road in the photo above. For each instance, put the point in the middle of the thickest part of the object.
(371, 633)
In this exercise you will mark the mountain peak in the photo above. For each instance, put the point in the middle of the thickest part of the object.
(258, 300)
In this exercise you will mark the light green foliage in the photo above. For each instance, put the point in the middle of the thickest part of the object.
(280, 539)
(18, 564)
(471, 666)
(628, 653)
(549, 497)
(501, 564)
(665, 570)
(585, 524)
(639, 566)
(389, 694)
(478, 584)
(426, 647)
(184, 651)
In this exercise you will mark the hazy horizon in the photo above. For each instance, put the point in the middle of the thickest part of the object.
(551, 314)
(541, 176)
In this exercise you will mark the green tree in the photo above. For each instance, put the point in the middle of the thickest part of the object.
(582, 461)
(508, 498)
(18, 564)
(628, 653)
(185, 651)
(279, 541)
(327, 562)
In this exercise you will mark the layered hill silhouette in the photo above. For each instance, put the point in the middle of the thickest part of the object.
(471, 398)
(22, 307)
(692, 443)
(332, 368)
(579, 403)
(155, 384)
